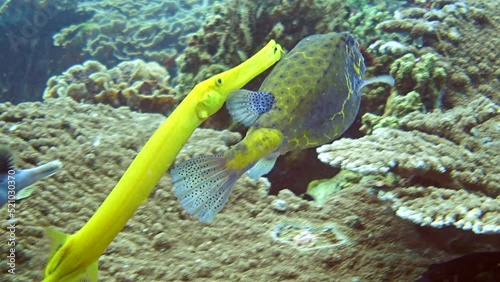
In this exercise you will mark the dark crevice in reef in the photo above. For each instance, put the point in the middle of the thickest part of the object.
(295, 170)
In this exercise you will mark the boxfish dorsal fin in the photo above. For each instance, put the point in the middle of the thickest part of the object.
(246, 106)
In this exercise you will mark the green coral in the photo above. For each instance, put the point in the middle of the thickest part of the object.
(365, 16)
(425, 75)
(397, 106)
(321, 189)
(420, 85)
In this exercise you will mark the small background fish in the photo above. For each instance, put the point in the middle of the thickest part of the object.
(22, 178)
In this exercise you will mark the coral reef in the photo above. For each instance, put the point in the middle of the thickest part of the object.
(305, 237)
(438, 207)
(365, 15)
(456, 150)
(26, 52)
(96, 143)
(397, 106)
(136, 84)
(238, 28)
(144, 29)
(439, 51)
(462, 32)
(424, 75)
(320, 190)
(420, 86)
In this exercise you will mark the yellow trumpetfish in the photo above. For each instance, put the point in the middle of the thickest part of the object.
(74, 257)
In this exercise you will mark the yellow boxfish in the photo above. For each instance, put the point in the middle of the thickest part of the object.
(310, 98)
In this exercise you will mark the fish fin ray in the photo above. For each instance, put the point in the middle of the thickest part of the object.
(25, 192)
(203, 185)
(263, 166)
(246, 106)
(57, 240)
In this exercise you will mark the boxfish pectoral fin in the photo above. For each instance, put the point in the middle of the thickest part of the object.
(203, 185)
(246, 106)
(263, 166)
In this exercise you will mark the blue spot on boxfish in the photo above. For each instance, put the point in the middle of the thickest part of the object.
(261, 102)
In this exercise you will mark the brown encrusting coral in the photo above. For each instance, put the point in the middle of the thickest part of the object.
(136, 84)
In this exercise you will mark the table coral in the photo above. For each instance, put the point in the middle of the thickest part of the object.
(455, 150)
(440, 207)
(137, 84)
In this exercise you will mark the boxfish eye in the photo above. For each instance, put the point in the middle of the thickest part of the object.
(219, 82)
(350, 40)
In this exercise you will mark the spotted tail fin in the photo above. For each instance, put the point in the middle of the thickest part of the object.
(203, 185)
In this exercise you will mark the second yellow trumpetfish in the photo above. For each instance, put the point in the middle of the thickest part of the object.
(74, 257)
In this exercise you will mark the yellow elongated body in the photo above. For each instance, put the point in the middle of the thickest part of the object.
(77, 257)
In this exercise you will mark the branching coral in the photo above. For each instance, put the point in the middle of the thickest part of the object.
(424, 75)
(455, 150)
(420, 86)
(437, 52)
(137, 84)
